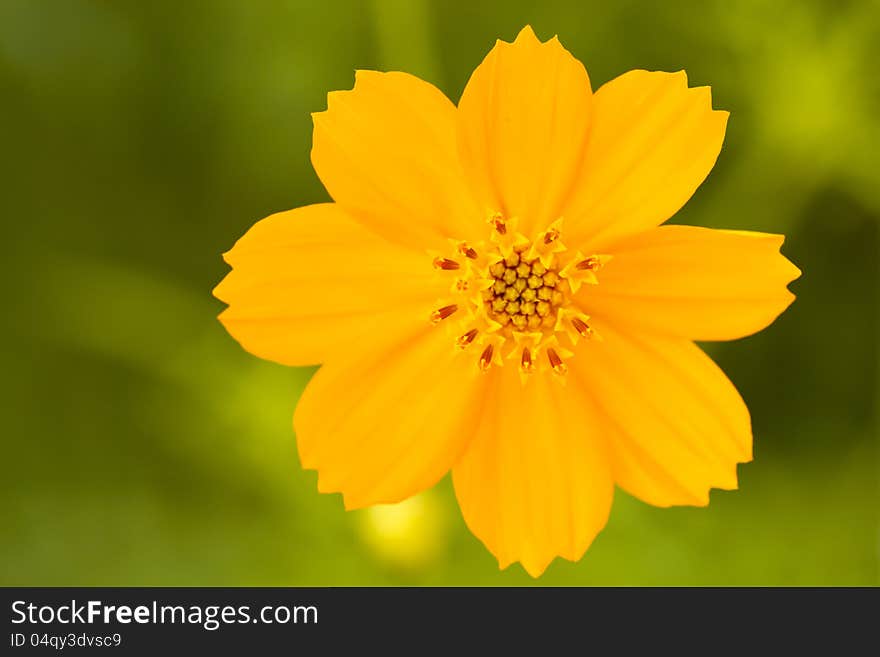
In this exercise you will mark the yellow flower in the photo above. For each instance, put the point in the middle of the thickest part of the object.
(491, 293)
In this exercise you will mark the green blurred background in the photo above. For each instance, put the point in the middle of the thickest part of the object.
(141, 445)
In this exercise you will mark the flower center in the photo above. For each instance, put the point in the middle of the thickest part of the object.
(513, 298)
(524, 293)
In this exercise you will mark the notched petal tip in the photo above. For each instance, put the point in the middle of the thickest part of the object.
(527, 34)
(362, 78)
(219, 292)
(536, 568)
(792, 271)
(533, 567)
(526, 37)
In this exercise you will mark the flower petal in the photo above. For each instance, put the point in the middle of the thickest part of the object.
(652, 142)
(390, 421)
(675, 424)
(386, 152)
(692, 282)
(535, 482)
(523, 122)
(305, 282)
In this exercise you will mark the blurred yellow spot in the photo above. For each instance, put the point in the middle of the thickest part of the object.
(411, 534)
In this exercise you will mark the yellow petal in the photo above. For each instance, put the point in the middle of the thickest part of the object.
(674, 423)
(305, 282)
(388, 422)
(523, 121)
(535, 481)
(692, 282)
(386, 152)
(653, 141)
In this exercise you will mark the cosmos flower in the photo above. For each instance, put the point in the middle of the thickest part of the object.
(491, 293)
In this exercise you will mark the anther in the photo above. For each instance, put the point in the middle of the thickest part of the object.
(445, 263)
(551, 236)
(556, 362)
(581, 327)
(442, 313)
(499, 224)
(486, 357)
(462, 285)
(467, 251)
(592, 263)
(525, 363)
(464, 340)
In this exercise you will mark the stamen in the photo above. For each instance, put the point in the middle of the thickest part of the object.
(525, 363)
(556, 362)
(442, 313)
(445, 263)
(467, 251)
(592, 263)
(499, 224)
(464, 340)
(486, 357)
(518, 288)
(551, 236)
(581, 327)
